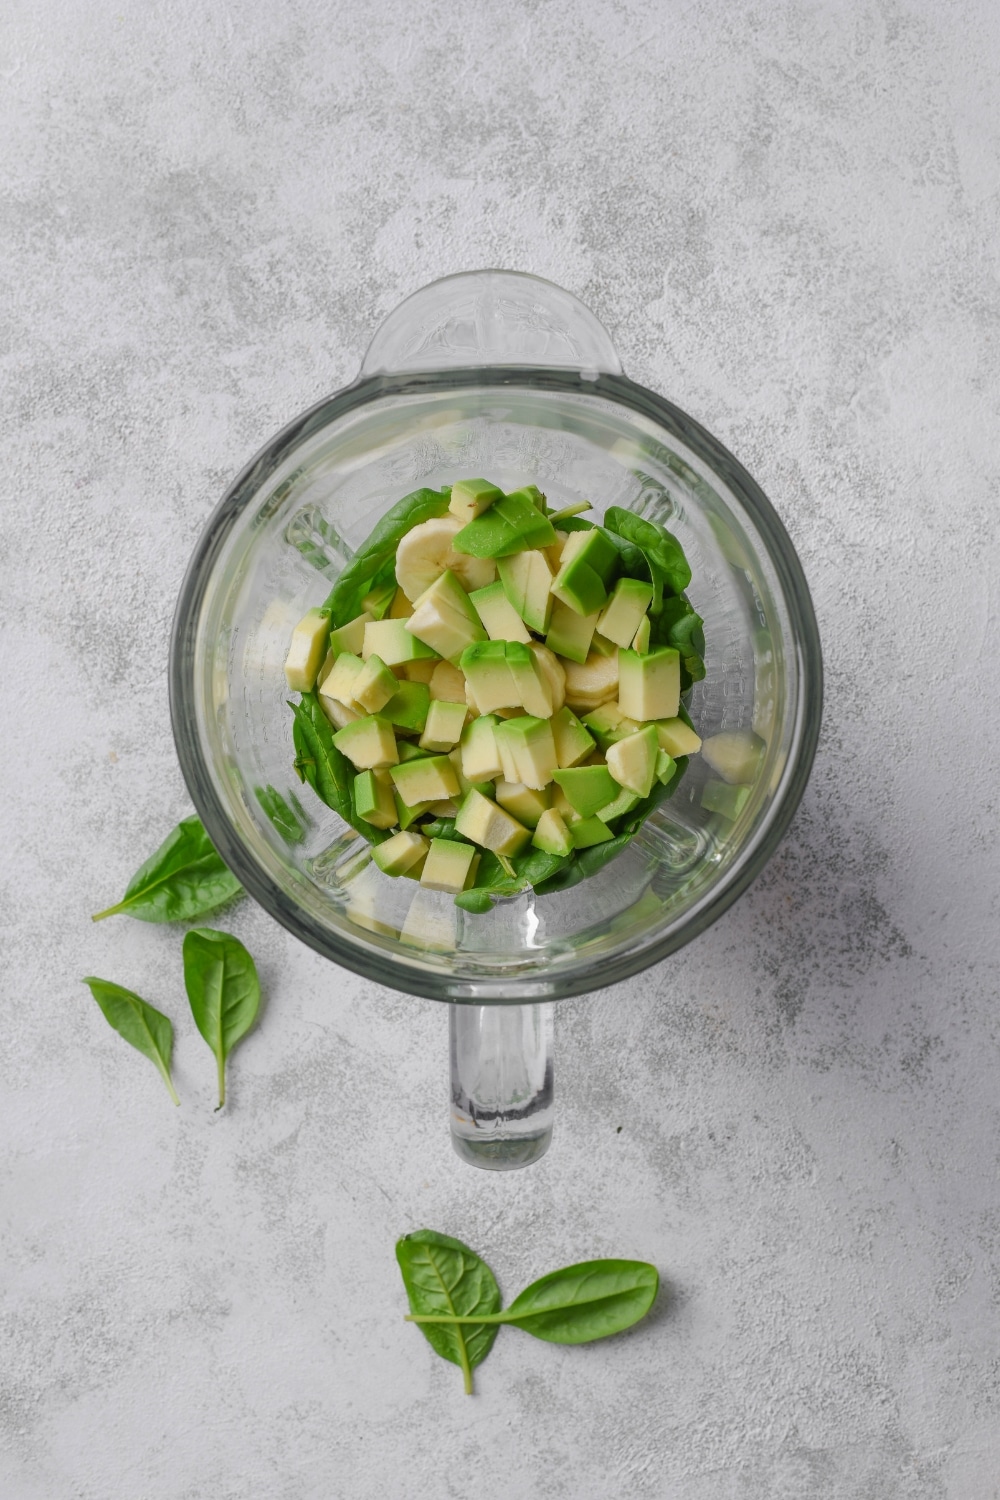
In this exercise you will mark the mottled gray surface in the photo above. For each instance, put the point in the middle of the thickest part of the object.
(788, 217)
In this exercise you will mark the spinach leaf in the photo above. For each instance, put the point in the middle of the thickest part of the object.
(184, 879)
(444, 1277)
(581, 864)
(662, 551)
(289, 822)
(532, 867)
(584, 1302)
(680, 626)
(223, 991)
(143, 1026)
(476, 901)
(324, 767)
(372, 564)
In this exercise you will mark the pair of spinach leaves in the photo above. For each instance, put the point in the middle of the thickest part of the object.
(181, 881)
(455, 1300)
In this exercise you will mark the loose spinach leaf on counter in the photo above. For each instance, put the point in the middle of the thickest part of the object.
(455, 1301)
(144, 1027)
(443, 1277)
(223, 991)
(372, 565)
(183, 879)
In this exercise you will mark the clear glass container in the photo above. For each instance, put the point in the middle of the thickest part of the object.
(498, 374)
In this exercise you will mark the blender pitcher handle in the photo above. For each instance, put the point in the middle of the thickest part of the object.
(491, 318)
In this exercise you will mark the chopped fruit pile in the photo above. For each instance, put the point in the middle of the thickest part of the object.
(492, 689)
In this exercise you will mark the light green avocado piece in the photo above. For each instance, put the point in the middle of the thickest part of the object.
(471, 497)
(649, 687)
(524, 803)
(587, 788)
(725, 799)
(351, 637)
(588, 563)
(397, 855)
(510, 525)
(676, 737)
(391, 640)
(307, 650)
(368, 743)
(570, 633)
(492, 682)
(623, 803)
(444, 619)
(665, 767)
(532, 684)
(589, 831)
(625, 610)
(408, 707)
(608, 724)
(500, 619)
(407, 750)
(339, 681)
(431, 779)
(374, 685)
(531, 747)
(632, 760)
(641, 641)
(480, 756)
(447, 866)
(735, 754)
(445, 722)
(602, 645)
(552, 835)
(573, 742)
(488, 825)
(527, 581)
(406, 816)
(373, 799)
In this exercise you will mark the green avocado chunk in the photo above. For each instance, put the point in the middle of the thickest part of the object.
(587, 788)
(408, 707)
(512, 524)
(589, 561)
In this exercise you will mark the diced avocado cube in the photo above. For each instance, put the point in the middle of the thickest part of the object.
(391, 640)
(586, 832)
(532, 494)
(676, 737)
(632, 761)
(339, 681)
(306, 651)
(588, 563)
(608, 724)
(531, 747)
(406, 815)
(649, 687)
(367, 743)
(735, 754)
(527, 582)
(471, 497)
(379, 601)
(408, 707)
(407, 750)
(523, 802)
(573, 742)
(445, 722)
(401, 607)
(665, 767)
(531, 681)
(374, 685)
(570, 633)
(625, 610)
(350, 637)
(447, 865)
(488, 825)
(480, 756)
(640, 642)
(488, 674)
(552, 835)
(623, 803)
(486, 787)
(373, 799)
(510, 525)
(417, 671)
(397, 855)
(500, 619)
(602, 645)
(725, 799)
(426, 780)
(338, 713)
(447, 682)
(587, 787)
(444, 619)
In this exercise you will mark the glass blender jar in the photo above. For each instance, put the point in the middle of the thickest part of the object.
(504, 375)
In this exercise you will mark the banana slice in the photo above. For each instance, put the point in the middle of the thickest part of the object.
(591, 683)
(552, 670)
(426, 551)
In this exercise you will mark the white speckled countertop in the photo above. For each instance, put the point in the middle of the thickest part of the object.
(789, 218)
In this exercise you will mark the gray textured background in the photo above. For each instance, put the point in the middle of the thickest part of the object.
(787, 215)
